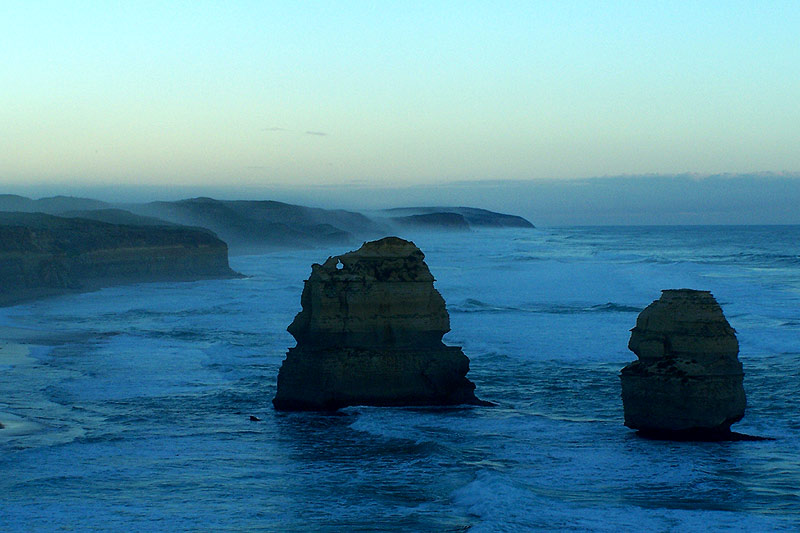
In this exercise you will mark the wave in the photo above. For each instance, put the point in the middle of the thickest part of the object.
(471, 305)
(615, 308)
(142, 313)
(753, 259)
(686, 254)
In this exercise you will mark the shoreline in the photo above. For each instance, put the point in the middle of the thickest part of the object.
(14, 354)
(17, 345)
(14, 339)
(33, 294)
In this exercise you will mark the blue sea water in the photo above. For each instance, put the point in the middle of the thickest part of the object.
(140, 396)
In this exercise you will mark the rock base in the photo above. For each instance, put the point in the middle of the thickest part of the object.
(700, 435)
(326, 380)
(663, 403)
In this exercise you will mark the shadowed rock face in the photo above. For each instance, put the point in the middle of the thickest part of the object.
(249, 226)
(462, 218)
(442, 221)
(43, 255)
(370, 333)
(688, 380)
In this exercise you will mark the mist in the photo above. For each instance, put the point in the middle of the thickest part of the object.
(687, 199)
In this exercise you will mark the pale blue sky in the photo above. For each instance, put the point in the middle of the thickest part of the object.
(316, 93)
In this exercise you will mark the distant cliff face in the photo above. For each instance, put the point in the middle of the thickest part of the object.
(455, 218)
(370, 333)
(42, 254)
(251, 225)
(440, 221)
(54, 205)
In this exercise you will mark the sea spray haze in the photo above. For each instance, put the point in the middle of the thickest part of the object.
(141, 403)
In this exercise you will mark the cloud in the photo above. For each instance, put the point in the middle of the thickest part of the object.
(277, 129)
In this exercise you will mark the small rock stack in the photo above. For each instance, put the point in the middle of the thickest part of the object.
(688, 381)
(370, 333)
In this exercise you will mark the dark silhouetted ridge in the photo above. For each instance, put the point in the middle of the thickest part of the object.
(474, 217)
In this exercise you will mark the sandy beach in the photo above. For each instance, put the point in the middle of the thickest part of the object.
(17, 363)
(13, 354)
(17, 336)
(14, 426)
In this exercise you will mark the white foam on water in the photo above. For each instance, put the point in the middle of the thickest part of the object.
(135, 415)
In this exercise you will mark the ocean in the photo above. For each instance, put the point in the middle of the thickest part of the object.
(132, 408)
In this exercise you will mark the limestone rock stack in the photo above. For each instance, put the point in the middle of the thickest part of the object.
(370, 333)
(688, 381)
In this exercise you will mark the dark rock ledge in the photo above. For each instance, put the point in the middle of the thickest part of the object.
(44, 255)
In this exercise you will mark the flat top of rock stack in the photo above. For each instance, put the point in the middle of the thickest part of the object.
(685, 324)
(379, 295)
(388, 259)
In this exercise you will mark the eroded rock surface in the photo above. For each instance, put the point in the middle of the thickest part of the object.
(688, 381)
(370, 333)
(43, 255)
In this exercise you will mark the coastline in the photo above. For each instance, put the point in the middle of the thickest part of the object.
(14, 354)
(16, 358)
(32, 294)
(14, 341)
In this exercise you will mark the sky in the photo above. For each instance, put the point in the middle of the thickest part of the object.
(393, 94)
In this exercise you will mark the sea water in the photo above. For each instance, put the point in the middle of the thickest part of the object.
(140, 402)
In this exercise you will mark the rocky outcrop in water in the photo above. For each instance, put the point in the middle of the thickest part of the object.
(370, 333)
(42, 255)
(688, 381)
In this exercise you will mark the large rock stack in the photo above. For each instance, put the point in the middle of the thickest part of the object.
(370, 333)
(687, 382)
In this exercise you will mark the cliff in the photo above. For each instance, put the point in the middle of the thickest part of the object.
(370, 333)
(450, 217)
(250, 225)
(43, 255)
(53, 205)
(441, 221)
(688, 381)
